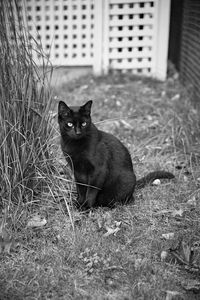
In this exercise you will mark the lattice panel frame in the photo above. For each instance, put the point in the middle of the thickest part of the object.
(131, 35)
(64, 29)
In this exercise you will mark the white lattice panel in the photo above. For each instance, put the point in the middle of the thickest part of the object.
(64, 29)
(124, 35)
(131, 35)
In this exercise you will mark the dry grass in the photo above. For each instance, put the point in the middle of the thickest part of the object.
(24, 105)
(26, 129)
(27, 133)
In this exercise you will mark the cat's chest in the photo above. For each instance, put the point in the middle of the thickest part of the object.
(82, 163)
(80, 155)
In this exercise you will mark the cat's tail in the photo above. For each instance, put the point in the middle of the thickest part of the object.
(150, 177)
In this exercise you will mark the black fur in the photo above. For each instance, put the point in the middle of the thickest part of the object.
(101, 164)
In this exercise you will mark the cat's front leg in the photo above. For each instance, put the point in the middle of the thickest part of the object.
(93, 188)
(81, 197)
(88, 186)
(86, 195)
(91, 196)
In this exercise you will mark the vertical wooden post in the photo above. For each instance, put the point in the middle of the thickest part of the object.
(98, 37)
(162, 39)
(106, 28)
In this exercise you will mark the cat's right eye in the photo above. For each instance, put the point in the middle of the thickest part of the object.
(83, 124)
(69, 124)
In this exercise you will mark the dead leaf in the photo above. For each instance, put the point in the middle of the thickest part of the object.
(177, 213)
(163, 255)
(37, 221)
(191, 285)
(84, 87)
(118, 223)
(149, 117)
(154, 124)
(168, 236)
(107, 217)
(173, 295)
(111, 231)
(175, 97)
(186, 250)
(100, 222)
(192, 201)
(183, 252)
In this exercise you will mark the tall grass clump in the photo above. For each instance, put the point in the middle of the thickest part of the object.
(24, 105)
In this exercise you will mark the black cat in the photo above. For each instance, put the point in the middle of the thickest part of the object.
(101, 164)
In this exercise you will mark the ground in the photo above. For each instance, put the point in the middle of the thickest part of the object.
(149, 249)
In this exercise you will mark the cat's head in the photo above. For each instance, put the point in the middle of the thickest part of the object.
(74, 121)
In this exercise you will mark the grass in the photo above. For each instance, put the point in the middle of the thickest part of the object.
(119, 253)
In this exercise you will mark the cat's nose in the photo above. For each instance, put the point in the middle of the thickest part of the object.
(78, 132)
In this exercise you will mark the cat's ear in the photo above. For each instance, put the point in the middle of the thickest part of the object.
(87, 107)
(63, 109)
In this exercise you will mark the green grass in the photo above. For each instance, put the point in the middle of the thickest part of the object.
(71, 257)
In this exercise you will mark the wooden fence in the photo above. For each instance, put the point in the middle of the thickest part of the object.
(124, 35)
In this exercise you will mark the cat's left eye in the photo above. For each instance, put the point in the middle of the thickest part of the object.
(83, 124)
(69, 124)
